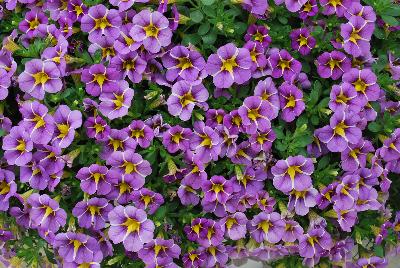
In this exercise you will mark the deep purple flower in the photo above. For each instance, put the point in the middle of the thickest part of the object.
(365, 83)
(130, 226)
(96, 179)
(356, 36)
(76, 9)
(101, 21)
(346, 192)
(302, 201)
(229, 65)
(314, 243)
(97, 127)
(302, 41)
(5, 82)
(331, 7)
(147, 199)
(333, 64)
(291, 101)
(184, 97)
(309, 9)
(46, 212)
(394, 66)
(294, 5)
(391, 147)
(293, 231)
(374, 261)
(125, 4)
(266, 89)
(344, 96)
(77, 247)
(293, 173)
(125, 44)
(365, 12)
(217, 189)
(37, 122)
(131, 65)
(259, 34)
(8, 188)
(259, 61)
(33, 19)
(269, 227)
(18, 146)
(264, 201)
(283, 64)
(341, 131)
(151, 28)
(40, 77)
(118, 140)
(141, 133)
(35, 174)
(355, 155)
(92, 213)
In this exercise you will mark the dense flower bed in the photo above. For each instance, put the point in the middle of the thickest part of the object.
(197, 133)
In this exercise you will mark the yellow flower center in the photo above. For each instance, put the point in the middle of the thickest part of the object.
(206, 141)
(303, 41)
(129, 167)
(64, 129)
(21, 146)
(33, 24)
(230, 222)
(119, 101)
(99, 79)
(78, 10)
(292, 170)
(217, 188)
(258, 37)
(340, 129)
(342, 98)
(147, 199)
(177, 137)
(137, 133)
(98, 128)
(151, 30)
(116, 144)
(229, 64)
(40, 78)
(94, 210)
(360, 85)
(335, 3)
(97, 177)
(39, 121)
(284, 64)
(253, 114)
(102, 23)
(186, 99)
(132, 225)
(291, 102)
(354, 36)
(128, 65)
(265, 225)
(124, 187)
(4, 188)
(184, 63)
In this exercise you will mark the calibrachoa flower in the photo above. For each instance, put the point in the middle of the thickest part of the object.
(266, 89)
(259, 34)
(230, 65)
(141, 133)
(356, 35)
(301, 201)
(291, 101)
(205, 142)
(8, 188)
(268, 227)
(116, 103)
(364, 81)
(314, 242)
(283, 64)
(66, 121)
(147, 199)
(100, 21)
(131, 65)
(302, 40)
(235, 225)
(40, 77)
(151, 28)
(341, 131)
(294, 173)
(159, 249)
(177, 138)
(184, 97)
(96, 179)
(130, 226)
(344, 96)
(99, 78)
(97, 127)
(77, 247)
(333, 64)
(183, 62)
(18, 146)
(92, 213)
(46, 213)
(255, 114)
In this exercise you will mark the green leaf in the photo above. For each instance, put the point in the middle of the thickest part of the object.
(392, 11)
(207, 2)
(392, 21)
(374, 127)
(210, 38)
(204, 28)
(196, 16)
(378, 250)
(193, 39)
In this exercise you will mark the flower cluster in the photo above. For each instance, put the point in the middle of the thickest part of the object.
(126, 140)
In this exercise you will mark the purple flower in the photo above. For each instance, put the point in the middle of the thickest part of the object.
(46, 212)
(264, 201)
(76, 9)
(147, 199)
(66, 121)
(331, 7)
(141, 133)
(116, 104)
(125, 43)
(210, 233)
(159, 249)
(344, 96)
(33, 19)
(97, 127)
(259, 34)
(18, 146)
(309, 9)
(346, 192)
(301, 201)
(333, 64)
(256, 114)
(302, 40)
(131, 164)
(291, 101)
(391, 147)
(230, 65)
(96, 179)
(364, 81)
(259, 61)
(283, 64)
(356, 35)
(293, 231)
(365, 12)
(77, 247)
(177, 138)
(101, 21)
(125, 4)
(5, 82)
(234, 225)
(118, 140)
(217, 189)
(8, 188)
(314, 243)
(37, 122)
(183, 62)
(92, 213)
(184, 97)
(355, 155)
(35, 174)
(40, 77)
(341, 131)
(131, 65)
(294, 5)
(205, 142)
(99, 78)
(192, 259)
(151, 28)
(372, 262)
(269, 227)
(130, 226)
(187, 194)
(105, 45)
(294, 173)
(394, 66)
